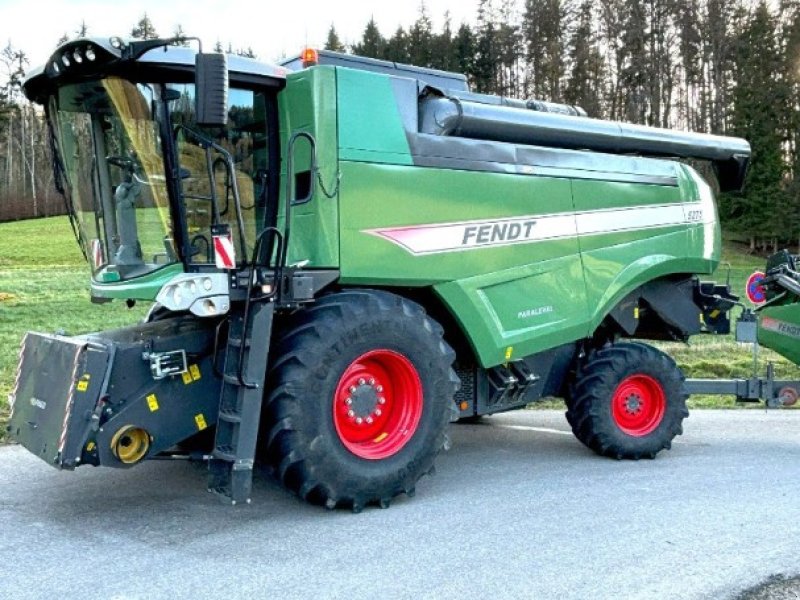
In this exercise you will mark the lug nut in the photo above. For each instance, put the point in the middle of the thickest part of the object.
(369, 420)
(348, 401)
(379, 388)
(351, 413)
(381, 400)
(378, 412)
(362, 381)
(352, 389)
(359, 420)
(372, 381)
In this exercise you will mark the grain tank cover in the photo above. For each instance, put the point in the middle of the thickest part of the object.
(458, 115)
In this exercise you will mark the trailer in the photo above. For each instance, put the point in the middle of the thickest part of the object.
(345, 255)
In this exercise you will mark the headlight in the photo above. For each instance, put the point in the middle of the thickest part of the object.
(205, 295)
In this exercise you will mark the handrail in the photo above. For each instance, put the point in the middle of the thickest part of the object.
(290, 184)
(207, 144)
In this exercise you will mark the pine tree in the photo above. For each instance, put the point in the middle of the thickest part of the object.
(420, 39)
(372, 43)
(333, 42)
(543, 31)
(760, 98)
(144, 29)
(396, 48)
(442, 49)
(486, 55)
(464, 52)
(585, 84)
(246, 52)
(178, 32)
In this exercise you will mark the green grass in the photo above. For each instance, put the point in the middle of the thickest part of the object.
(44, 286)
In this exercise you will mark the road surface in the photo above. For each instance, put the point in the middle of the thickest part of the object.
(518, 509)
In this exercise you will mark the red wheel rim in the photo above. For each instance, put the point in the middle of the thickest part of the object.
(378, 404)
(638, 405)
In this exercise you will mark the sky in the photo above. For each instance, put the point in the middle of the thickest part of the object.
(272, 30)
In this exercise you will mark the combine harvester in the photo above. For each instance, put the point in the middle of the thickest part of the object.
(345, 255)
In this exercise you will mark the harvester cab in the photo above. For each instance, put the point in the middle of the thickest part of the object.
(368, 251)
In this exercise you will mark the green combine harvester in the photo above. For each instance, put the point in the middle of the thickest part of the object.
(345, 255)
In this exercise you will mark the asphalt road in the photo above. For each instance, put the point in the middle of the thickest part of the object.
(518, 508)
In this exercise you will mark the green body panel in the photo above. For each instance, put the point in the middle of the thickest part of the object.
(779, 329)
(517, 299)
(486, 289)
(370, 127)
(308, 103)
(140, 288)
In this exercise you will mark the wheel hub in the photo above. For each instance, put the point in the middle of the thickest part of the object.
(638, 405)
(364, 400)
(378, 404)
(633, 404)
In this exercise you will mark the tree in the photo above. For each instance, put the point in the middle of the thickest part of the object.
(178, 32)
(333, 42)
(543, 32)
(420, 39)
(372, 43)
(585, 83)
(396, 49)
(144, 29)
(464, 51)
(760, 98)
(246, 52)
(486, 55)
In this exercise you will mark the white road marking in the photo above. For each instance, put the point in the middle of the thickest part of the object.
(540, 429)
(557, 431)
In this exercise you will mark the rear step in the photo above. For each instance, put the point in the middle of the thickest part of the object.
(231, 465)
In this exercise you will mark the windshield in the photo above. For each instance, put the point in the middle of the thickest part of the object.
(110, 148)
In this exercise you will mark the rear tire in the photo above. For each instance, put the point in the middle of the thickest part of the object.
(628, 401)
(360, 395)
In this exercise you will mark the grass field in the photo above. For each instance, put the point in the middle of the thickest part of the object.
(44, 287)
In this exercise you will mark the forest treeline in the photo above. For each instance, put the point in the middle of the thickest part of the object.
(719, 66)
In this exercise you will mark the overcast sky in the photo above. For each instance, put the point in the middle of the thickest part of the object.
(272, 29)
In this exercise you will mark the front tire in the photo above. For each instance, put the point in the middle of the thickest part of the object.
(360, 395)
(628, 401)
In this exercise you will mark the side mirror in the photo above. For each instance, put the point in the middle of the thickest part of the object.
(211, 89)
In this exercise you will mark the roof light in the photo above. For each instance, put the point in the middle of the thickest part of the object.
(65, 60)
(77, 56)
(309, 57)
(116, 43)
(90, 55)
(56, 68)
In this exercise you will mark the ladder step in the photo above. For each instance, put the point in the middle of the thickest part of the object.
(231, 379)
(230, 416)
(225, 453)
(237, 342)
